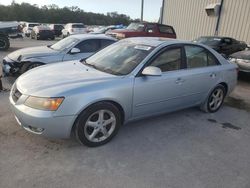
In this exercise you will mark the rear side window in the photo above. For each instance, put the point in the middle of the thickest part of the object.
(105, 43)
(168, 60)
(166, 29)
(199, 57)
(89, 46)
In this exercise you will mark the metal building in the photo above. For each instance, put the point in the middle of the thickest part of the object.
(194, 18)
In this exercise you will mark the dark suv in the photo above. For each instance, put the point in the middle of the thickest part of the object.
(223, 45)
(57, 29)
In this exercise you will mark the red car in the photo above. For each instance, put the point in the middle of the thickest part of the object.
(144, 30)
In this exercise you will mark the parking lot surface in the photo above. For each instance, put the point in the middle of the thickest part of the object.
(188, 149)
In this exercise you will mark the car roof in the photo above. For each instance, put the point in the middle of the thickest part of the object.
(56, 24)
(220, 37)
(32, 23)
(42, 27)
(75, 23)
(92, 36)
(155, 41)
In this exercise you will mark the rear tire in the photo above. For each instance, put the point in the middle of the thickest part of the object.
(98, 124)
(4, 42)
(215, 99)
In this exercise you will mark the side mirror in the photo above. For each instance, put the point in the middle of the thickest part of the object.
(75, 51)
(151, 71)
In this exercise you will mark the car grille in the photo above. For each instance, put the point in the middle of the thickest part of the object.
(16, 94)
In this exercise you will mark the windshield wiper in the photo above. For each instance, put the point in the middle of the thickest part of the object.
(85, 63)
(111, 71)
(49, 46)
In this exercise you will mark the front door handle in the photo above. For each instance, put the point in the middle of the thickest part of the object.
(213, 75)
(179, 81)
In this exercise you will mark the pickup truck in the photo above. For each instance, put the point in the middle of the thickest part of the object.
(144, 29)
(8, 29)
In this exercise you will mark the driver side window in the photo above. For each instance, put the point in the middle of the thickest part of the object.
(168, 60)
(88, 46)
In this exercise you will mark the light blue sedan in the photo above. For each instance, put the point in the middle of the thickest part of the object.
(74, 47)
(131, 79)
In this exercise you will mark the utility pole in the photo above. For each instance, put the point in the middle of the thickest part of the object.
(162, 11)
(142, 7)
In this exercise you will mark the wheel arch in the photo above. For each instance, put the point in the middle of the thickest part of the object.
(225, 85)
(115, 103)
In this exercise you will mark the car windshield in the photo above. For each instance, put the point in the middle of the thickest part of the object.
(33, 25)
(208, 40)
(64, 43)
(120, 58)
(58, 27)
(77, 26)
(136, 27)
(102, 30)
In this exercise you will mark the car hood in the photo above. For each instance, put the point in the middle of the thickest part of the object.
(32, 52)
(241, 55)
(60, 78)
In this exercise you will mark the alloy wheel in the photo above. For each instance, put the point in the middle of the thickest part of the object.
(216, 99)
(100, 125)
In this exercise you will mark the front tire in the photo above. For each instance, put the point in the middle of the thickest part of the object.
(98, 124)
(4, 43)
(29, 66)
(215, 99)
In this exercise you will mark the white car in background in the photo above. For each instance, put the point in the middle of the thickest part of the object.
(73, 28)
(74, 47)
(28, 27)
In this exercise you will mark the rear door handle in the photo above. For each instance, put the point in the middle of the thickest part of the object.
(213, 75)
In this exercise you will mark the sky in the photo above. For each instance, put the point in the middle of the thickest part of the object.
(131, 8)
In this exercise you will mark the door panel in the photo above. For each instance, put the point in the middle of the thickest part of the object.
(154, 95)
(172, 91)
(86, 47)
(176, 88)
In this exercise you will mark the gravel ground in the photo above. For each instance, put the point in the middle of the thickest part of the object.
(185, 149)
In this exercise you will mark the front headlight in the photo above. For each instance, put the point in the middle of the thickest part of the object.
(232, 60)
(120, 36)
(41, 103)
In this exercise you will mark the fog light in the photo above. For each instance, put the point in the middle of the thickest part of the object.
(36, 130)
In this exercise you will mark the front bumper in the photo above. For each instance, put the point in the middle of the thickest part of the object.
(10, 67)
(41, 122)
